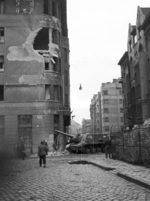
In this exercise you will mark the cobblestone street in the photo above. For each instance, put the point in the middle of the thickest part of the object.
(24, 180)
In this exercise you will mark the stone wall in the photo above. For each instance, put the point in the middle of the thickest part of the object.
(134, 146)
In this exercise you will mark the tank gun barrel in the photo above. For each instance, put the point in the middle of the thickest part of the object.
(68, 135)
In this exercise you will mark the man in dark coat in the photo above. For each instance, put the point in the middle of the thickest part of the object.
(108, 145)
(42, 152)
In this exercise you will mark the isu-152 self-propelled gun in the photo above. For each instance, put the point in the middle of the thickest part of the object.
(84, 143)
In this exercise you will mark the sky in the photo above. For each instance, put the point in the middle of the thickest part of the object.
(97, 31)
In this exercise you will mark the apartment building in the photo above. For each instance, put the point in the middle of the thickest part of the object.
(86, 126)
(135, 73)
(95, 113)
(34, 72)
(111, 107)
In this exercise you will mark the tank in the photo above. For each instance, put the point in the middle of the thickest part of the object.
(84, 143)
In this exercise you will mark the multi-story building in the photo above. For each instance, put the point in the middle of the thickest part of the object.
(111, 107)
(86, 126)
(34, 72)
(93, 113)
(135, 73)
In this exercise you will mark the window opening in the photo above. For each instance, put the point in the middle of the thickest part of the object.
(41, 41)
(56, 92)
(1, 62)
(1, 92)
(55, 10)
(55, 36)
(46, 66)
(1, 35)
(105, 92)
(2, 6)
(46, 6)
(47, 92)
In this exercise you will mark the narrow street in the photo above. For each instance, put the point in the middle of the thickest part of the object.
(24, 180)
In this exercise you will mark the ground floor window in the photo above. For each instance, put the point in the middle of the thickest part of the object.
(25, 130)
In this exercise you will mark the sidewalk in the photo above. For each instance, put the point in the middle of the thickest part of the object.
(133, 173)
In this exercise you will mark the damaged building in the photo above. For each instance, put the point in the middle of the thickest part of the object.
(34, 73)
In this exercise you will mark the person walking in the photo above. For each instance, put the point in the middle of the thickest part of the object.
(42, 152)
(108, 144)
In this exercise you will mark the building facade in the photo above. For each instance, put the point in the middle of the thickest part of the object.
(86, 126)
(34, 72)
(111, 107)
(135, 73)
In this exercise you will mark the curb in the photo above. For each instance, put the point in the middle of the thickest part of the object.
(133, 180)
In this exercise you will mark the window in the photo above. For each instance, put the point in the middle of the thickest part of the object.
(46, 6)
(47, 92)
(56, 92)
(105, 101)
(25, 130)
(56, 36)
(65, 55)
(106, 110)
(55, 10)
(2, 131)
(46, 66)
(1, 92)
(106, 119)
(1, 34)
(121, 110)
(2, 6)
(56, 63)
(1, 62)
(106, 128)
(66, 100)
(66, 78)
(120, 101)
(105, 92)
(120, 92)
(121, 119)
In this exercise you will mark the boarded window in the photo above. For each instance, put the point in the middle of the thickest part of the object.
(1, 92)
(47, 92)
(2, 6)
(1, 62)
(41, 41)
(1, 35)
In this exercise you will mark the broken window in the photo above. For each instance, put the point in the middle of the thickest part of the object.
(2, 6)
(46, 6)
(56, 63)
(1, 92)
(55, 10)
(1, 34)
(41, 41)
(55, 37)
(1, 62)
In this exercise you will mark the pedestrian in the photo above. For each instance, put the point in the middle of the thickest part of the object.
(42, 152)
(108, 144)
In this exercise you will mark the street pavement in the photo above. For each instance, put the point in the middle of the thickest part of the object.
(65, 179)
